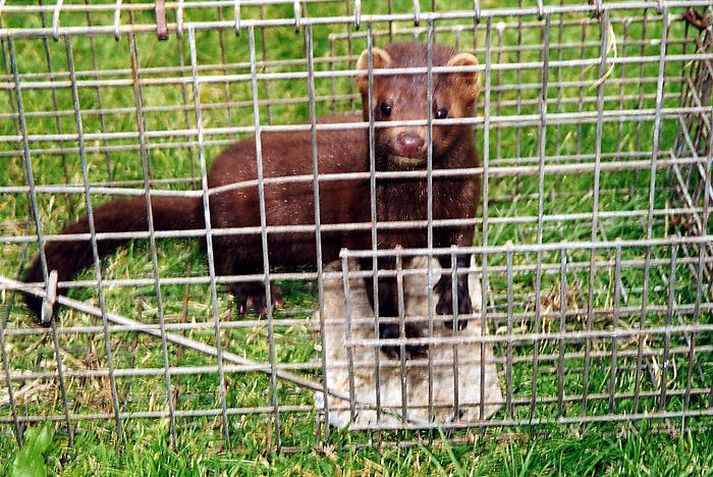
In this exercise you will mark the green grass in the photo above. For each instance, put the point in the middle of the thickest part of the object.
(654, 448)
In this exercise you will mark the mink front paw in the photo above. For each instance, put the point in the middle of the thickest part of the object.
(253, 296)
(391, 331)
(445, 307)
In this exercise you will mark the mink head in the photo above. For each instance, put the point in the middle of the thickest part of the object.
(400, 97)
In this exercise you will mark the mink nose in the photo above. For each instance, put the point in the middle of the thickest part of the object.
(410, 145)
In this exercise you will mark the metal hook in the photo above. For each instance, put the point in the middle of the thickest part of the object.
(357, 14)
(298, 15)
(117, 19)
(236, 16)
(55, 19)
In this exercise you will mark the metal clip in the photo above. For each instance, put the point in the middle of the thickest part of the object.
(236, 16)
(117, 20)
(357, 14)
(55, 19)
(298, 15)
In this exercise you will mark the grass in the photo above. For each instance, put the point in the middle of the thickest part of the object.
(653, 448)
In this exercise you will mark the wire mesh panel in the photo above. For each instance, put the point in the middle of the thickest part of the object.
(592, 251)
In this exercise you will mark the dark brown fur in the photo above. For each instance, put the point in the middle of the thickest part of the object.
(289, 154)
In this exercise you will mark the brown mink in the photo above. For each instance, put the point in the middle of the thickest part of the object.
(395, 97)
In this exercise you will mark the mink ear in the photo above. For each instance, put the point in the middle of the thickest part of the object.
(380, 59)
(470, 79)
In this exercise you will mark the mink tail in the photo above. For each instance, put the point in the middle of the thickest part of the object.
(126, 215)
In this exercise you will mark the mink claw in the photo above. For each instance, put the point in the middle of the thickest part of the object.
(255, 299)
(445, 307)
(390, 331)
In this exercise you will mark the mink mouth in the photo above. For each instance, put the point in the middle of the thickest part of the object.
(404, 162)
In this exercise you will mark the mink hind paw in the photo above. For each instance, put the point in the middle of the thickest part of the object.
(253, 296)
(35, 304)
(391, 331)
(445, 307)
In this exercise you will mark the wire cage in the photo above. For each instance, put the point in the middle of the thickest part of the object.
(593, 243)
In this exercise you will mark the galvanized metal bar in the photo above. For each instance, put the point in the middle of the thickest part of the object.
(208, 232)
(652, 197)
(541, 147)
(317, 217)
(263, 236)
(373, 213)
(615, 325)
(92, 232)
(146, 168)
(38, 226)
(603, 52)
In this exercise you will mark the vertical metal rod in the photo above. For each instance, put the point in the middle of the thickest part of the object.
(333, 65)
(3, 350)
(10, 95)
(348, 335)
(186, 110)
(372, 205)
(615, 327)
(562, 329)
(208, 230)
(429, 206)
(644, 44)
(485, 210)
(558, 103)
(352, 103)
(317, 213)
(389, 10)
(700, 268)
(263, 235)
(541, 152)
(223, 63)
(454, 294)
(38, 225)
(100, 102)
(622, 85)
(92, 232)
(53, 96)
(604, 43)
(266, 83)
(652, 198)
(667, 325)
(402, 335)
(580, 96)
(146, 169)
(518, 98)
(498, 106)
(642, 52)
(508, 366)
(17, 429)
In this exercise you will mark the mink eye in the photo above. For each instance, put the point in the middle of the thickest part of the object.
(385, 108)
(442, 113)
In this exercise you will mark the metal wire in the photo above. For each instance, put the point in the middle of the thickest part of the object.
(594, 246)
